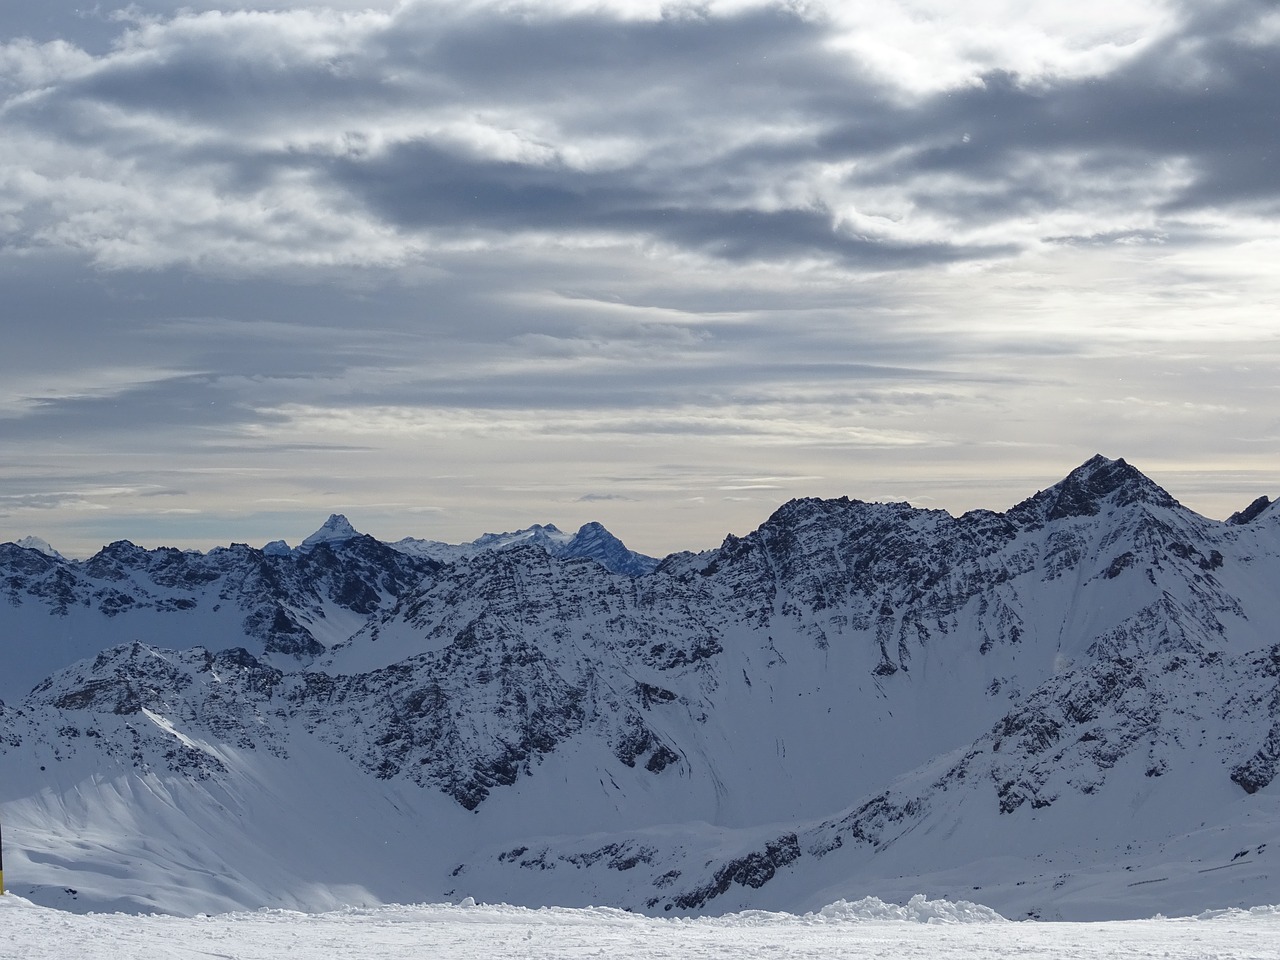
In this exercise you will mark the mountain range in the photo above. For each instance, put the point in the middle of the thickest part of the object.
(1070, 709)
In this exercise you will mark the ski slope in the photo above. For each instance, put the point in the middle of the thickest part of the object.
(868, 928)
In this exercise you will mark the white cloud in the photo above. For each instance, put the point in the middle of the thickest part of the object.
(927, 46)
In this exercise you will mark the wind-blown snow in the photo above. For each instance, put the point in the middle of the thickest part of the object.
(495, 932)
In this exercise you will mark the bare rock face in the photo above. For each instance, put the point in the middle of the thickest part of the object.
(1251, 512)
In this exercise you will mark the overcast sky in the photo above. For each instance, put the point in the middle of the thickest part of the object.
(457, 267)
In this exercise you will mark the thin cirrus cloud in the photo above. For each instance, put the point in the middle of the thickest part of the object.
(350, 245)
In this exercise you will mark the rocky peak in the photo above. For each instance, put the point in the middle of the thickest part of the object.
(335, 529)
(805, 509)
(276, 548)
(1084, 491)
(596, 543)
(1251, 512)
(17, 560)
(114, 560)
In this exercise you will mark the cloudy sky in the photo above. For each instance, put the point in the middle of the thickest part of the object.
(451, 267)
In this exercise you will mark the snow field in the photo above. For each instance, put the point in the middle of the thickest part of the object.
(869, 928)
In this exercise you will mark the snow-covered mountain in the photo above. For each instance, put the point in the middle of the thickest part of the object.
(39, 545)
(337, 529)
(289, 606)
(592, 541)
(1068, 709)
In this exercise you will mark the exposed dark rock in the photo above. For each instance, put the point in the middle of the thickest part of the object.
(754, 870)
(1251, 512)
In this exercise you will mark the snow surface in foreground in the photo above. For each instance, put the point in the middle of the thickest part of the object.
(931, 928)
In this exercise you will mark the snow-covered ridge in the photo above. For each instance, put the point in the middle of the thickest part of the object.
(1071, 709)
(592, 541)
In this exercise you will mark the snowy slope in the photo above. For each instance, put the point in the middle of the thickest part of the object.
(1068, 709)
(483, 932)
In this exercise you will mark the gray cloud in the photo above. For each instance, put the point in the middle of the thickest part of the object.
(421, 185)
(193, 403)
(703, 132)
(1205, 95)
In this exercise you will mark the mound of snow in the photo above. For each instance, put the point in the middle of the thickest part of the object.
(1266, 911)
(915, 910)
(868, 910)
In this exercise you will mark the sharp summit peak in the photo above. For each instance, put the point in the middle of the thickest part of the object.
(337, 527)
(1081, 492)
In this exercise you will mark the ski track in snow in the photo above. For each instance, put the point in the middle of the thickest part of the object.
(935, 930)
